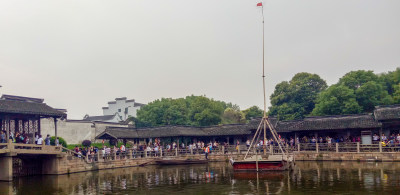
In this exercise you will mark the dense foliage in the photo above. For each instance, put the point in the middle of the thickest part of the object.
(61, 141)
(191, 110)
(296, 99)
(356, 92)
(86, 143)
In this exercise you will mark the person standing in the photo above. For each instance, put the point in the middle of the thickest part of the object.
(206, 151)
(2, 137)
(248, 143)
(47, 140)
(40, 140)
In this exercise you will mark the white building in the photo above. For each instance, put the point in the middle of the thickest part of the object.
(122, 108)
(75, 131)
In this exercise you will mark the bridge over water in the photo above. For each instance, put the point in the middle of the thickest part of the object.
(27, 159)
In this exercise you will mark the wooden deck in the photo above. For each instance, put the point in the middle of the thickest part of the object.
(29, 149)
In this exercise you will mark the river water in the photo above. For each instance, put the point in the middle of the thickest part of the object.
(219, 178)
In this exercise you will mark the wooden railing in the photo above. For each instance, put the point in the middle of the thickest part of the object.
(30, 148)
(3, 146)
(230, 150)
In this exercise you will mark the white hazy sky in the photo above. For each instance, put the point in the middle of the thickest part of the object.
(80, 54)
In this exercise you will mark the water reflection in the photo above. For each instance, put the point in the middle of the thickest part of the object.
(218, 178)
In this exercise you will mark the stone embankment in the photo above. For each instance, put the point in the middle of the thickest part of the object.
(348, 156)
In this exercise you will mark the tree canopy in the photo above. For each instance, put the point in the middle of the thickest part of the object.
(357, 92)
(296, 99)
(191, 110)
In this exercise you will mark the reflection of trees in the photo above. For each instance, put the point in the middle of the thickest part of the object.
(338, 177)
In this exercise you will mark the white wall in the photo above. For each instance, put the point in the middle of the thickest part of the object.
(75, 131)
(113, 107)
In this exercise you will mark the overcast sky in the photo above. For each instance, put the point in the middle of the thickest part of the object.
(78, 55)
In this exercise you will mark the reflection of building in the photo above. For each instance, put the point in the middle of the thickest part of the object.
(385, 119)
(117, 111)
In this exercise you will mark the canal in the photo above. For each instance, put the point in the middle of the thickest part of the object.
(218, 178)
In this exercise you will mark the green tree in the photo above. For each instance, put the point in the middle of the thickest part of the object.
(296, 99)
(355, 79)
(233, 116)
(192, 110)
(253, 112)
(166, 111)
(204, 111)
(337, 99)
(371, 94)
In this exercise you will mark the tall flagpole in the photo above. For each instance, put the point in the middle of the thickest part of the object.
(263, 62)
(263, 76)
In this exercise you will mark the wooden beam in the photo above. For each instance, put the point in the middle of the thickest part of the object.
(8, 130)
(55, 128)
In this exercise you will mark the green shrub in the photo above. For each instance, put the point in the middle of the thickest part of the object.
(61, 141)
(98, 145)
(86, 143)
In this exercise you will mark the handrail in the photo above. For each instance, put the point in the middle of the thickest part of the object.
(64, 148)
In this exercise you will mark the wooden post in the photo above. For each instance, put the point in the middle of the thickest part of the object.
(380, 146)
(145, 153)
(256, 160)
(271, 149)
(238, 149)
(316, 147)
(98, 155)
(337, 147)
(191, 150)
(223, 149)
(7, 126)
(176, 151)
(55, 129)
(298, 147)
(160, 151)
(358, 147)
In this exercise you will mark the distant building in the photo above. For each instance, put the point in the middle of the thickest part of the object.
(117, 111)
(122, 107)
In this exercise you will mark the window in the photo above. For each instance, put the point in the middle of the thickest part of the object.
(119, 110)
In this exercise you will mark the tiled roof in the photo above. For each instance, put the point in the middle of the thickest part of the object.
(31, 108)
(21, 98)
(99, 118)
(387, 112)
(361, 121)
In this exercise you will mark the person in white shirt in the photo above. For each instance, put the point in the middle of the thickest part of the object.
(40, 140)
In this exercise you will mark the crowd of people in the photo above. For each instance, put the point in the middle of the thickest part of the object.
(23, 138)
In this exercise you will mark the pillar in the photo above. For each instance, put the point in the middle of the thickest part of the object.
(191, 150)
(176, 151)
(271, 149)
(223, 149)
(298, 147)
(358, 147)
(7, 126)
(98, 156)
(380, 146)
(55, 130)
(161, 151)
(6, 171)
(337, 147)
(50, 165)
(316, 147)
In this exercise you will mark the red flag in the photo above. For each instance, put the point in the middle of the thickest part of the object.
(259, 4)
